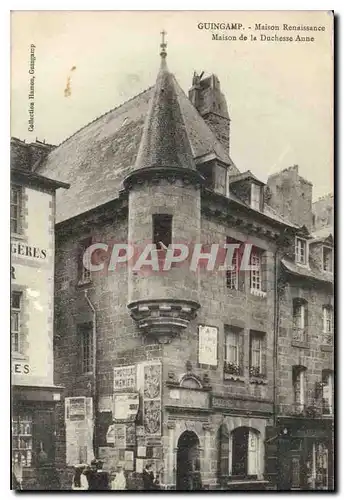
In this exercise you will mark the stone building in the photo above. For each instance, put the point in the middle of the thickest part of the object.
(174, 367)
(305, 337)
(34, 395)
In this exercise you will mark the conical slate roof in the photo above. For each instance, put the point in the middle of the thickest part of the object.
(98, 157)
(165, 141)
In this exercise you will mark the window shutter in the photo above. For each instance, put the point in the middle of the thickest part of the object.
(263, 354)
(252, 465)
(241, 351)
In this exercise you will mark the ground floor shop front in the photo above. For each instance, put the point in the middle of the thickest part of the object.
(34, 456)
(305, 454)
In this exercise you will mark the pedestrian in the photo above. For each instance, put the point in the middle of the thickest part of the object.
(79, 479)
(148, 478)
(119, 482)
(98, 479)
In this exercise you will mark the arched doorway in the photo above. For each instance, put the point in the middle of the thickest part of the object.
(188, 462)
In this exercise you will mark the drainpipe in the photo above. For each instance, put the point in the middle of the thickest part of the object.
(276, 330)
(94, 371)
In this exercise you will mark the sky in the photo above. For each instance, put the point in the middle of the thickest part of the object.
(279, 94)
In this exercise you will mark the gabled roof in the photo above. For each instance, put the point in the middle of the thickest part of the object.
(243, 176)
(97, 158)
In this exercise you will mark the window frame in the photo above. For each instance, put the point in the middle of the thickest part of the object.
(330, 249)
(85, 333)
(327, 374)
(254, 369)
(256, 275)
(328, 319)
(15, 311)
(232, 275)
(255, 196)
(17, 220)
(299, 376)
(168, 237)
(84, 275)
(298, 251)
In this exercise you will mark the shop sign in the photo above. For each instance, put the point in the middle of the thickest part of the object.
(124, 378)
(20, 368)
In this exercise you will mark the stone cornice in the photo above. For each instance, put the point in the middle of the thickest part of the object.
(156, 175)
(163, 319)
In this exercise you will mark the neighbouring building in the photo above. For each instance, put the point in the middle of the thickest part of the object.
(178, 368)
(305, 338)
(34, 395)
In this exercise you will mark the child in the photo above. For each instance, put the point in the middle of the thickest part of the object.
(79, 480)
(119, 482)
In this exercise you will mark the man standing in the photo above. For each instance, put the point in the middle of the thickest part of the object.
(98, 479)
(148, 478)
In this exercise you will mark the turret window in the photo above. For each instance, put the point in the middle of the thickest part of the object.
(162, 230)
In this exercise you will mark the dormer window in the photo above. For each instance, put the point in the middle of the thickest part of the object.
(327, 259)
(301, 251)
(255, 199)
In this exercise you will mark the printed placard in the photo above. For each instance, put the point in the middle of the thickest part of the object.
(207, 345)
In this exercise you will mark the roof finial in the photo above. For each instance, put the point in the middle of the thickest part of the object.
(163, 46)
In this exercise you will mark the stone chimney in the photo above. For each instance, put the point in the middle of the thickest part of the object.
(205, 94)
(291, 196)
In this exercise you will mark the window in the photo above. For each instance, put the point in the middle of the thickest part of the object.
(300, 251)
(257, 354)
(84, 273)
(327, 392)
(162, 230)
(299, 387)
(245, 453)
(232, 275)
(255, 196)
(16, 300)
(16, 194)
(86, 341)
(233, 351)
(327, 319)
(299, 319)
(21, 441)
(327, 259)
(256, 274)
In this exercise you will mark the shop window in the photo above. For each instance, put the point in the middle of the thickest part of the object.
(245, 453)
(299, 388)
(16, 203)
(317, 467)
(233, 351)
(328, 259)
(162, 230)
(16, 305)
(300, 314)
(300, 251)
(85, 333)
(84, 274)
(257, 354)
(21, 441)
(255, 198)
(327, 392)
